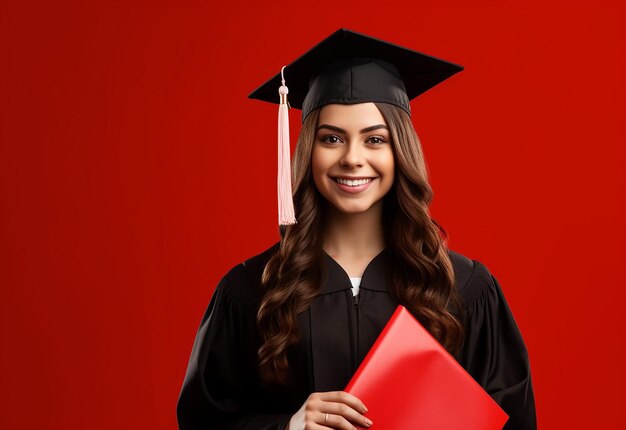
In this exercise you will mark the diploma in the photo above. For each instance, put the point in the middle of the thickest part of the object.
(409, 381)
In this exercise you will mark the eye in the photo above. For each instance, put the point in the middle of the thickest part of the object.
(331, 138)
(376, 140)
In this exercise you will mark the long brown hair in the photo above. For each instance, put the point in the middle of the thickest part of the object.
(422, 277)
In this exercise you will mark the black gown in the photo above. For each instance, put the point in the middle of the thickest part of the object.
(221, 389)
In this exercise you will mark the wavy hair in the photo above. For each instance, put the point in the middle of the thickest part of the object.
(422, 276)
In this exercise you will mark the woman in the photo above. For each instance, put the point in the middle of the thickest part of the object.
(286, 329)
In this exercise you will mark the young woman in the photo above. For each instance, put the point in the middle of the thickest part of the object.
(286, 329)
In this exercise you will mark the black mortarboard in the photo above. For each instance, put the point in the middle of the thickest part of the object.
(349, 67)
(345, 68)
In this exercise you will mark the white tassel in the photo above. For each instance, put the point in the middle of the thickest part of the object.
(286, 214)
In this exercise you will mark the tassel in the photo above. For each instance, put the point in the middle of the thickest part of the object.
(286, 214)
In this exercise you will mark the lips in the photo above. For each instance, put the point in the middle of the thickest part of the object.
(353, 185)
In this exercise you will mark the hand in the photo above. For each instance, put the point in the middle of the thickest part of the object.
(334, 410)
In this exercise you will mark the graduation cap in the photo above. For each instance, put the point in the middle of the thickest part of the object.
(345, 68)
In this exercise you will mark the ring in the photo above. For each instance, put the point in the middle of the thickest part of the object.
(326, 418)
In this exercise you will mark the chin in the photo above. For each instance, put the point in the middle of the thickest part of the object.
(352, 211)
(349, 209)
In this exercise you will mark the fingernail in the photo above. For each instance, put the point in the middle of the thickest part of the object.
(368, 421)
(364, 408)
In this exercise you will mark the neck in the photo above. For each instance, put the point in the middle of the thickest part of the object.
(354, 235)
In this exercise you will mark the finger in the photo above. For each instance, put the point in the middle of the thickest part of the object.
(336, 422)
(343, 397)
(316, 426)
(346, 412)
(319, 421)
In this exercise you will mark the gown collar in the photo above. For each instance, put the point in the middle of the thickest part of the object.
(374, 277)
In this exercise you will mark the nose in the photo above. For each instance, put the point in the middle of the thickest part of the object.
(352, 155)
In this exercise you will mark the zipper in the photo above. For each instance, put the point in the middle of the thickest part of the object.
(355, 300)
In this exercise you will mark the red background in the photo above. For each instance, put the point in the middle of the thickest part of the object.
(134, 173)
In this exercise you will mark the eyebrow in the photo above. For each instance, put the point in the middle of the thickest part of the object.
(341, 130)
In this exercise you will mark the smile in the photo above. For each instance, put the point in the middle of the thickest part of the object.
(353, 186)
(353, 182)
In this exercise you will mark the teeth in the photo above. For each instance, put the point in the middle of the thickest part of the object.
(354, 183)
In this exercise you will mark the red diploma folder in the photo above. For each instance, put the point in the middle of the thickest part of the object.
(409, 381)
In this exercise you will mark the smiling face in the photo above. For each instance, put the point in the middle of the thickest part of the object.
(352, 161)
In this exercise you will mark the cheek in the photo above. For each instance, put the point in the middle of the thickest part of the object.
(317, 167)
(386, 164)
(319, 163)
(389, 171)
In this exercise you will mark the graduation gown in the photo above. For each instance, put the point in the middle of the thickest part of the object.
(222, 390)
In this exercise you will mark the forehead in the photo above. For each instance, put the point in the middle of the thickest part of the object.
(353, 116)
